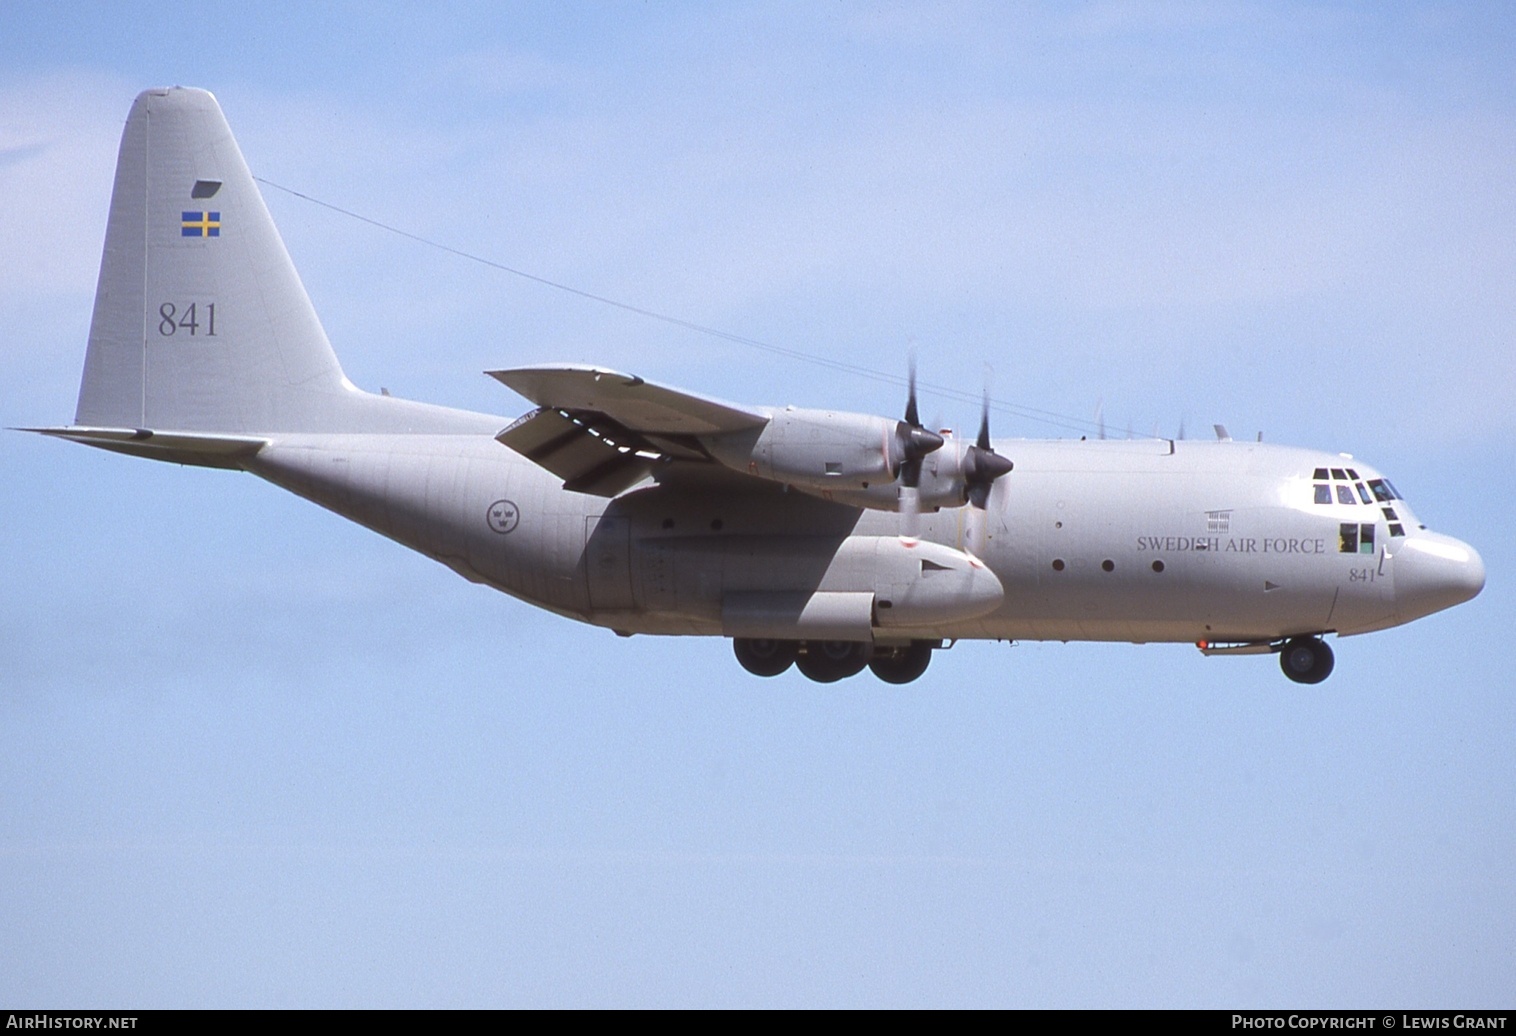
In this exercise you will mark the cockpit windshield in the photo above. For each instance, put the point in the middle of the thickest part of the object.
(1344, 486)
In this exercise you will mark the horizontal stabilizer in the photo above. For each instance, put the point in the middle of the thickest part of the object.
(631, 402)
(197, 448)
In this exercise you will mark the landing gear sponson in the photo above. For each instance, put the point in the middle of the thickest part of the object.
(827, 661)
(1304, 659)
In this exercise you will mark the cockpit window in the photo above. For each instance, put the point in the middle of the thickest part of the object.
(1347, 538)
(1349, 490)
(1355, 538)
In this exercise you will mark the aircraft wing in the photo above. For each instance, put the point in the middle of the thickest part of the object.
(601, 431)
(635, 404)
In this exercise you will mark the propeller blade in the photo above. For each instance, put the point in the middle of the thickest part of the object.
(978, 495)
(912, 418)
(976, 531)
(978, 491)
(912, 441)
(981, 464)
(911, 445)
(910, 513)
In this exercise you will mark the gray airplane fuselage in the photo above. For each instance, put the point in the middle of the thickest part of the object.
(1145, 540)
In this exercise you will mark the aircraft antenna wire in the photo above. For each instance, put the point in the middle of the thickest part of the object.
(1025, 412)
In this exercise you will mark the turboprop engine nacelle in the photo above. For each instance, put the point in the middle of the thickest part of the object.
(856, 459)
(828, 453)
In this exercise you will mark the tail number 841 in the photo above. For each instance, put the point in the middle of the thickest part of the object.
(192, 320)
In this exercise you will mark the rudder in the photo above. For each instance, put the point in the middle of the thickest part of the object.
(200, 321)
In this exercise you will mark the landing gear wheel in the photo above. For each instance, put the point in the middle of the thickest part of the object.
(827, 661)
(765, 657)
(902, 664)
(1306, 659)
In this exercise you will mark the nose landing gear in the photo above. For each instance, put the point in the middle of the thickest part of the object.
(1306, 659)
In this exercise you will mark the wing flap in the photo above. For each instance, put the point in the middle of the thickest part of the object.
(591, 455)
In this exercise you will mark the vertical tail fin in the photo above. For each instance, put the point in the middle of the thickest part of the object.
(200, 322)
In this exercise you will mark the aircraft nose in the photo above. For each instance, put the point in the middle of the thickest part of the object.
(1433, 572)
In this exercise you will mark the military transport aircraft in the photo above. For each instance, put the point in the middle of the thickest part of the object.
(831, 541)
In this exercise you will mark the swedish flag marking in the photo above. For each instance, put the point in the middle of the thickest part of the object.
(200, 224)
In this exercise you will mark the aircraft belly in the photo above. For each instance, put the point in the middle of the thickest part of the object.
(462, 500)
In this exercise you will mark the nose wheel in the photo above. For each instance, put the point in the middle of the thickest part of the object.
(1306, 659)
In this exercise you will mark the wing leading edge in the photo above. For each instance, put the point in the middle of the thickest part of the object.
(602, 431)
(635, 404)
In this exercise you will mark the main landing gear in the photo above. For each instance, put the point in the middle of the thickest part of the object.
(827, 661)
(1306, 659)
(766, 657)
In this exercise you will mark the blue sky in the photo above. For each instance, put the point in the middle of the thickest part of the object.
(257, 756)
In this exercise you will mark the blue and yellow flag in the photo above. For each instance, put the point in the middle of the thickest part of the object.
(200, 224)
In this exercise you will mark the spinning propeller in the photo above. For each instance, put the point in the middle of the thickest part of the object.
(973, 470)
(913, 441)
(981, 464)
(981, 467)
